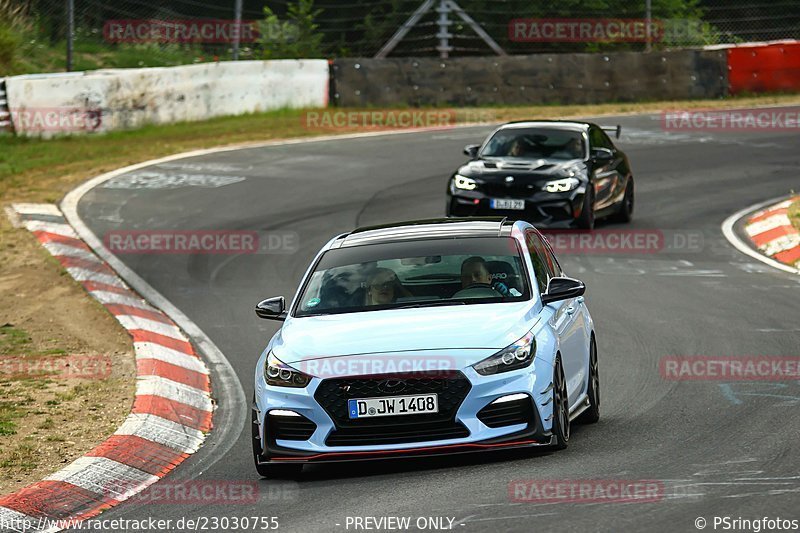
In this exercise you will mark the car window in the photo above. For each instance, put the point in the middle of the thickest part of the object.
(599, 139)
(418, 273)
(539, 257)
(535, 143)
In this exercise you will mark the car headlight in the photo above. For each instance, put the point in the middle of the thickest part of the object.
(463, 182)
(562, 185)
(513, 357)
(279, 374)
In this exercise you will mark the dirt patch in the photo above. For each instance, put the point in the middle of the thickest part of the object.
(47, 418)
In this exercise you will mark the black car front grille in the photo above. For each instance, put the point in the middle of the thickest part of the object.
(289, 427)
(497, 415)
(451, 388)
(502, 190)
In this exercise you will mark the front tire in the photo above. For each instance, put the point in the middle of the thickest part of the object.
(625, 213)
(586, 218)
(561, 427)
(592, 414)
(269, 471)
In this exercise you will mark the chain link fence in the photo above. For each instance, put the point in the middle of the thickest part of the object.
(138, 33)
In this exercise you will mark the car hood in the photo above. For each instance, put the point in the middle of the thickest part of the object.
(478, 327)
(498, 168)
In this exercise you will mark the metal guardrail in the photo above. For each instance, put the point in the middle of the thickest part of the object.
(5, 113)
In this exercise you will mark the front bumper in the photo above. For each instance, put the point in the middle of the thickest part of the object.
(478, 436)
(542, 208)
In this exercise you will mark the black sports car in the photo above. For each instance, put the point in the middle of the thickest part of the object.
(550, 173)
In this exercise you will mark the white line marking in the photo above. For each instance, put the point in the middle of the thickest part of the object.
(84, 274)
(136, 322)
(50, 227)
(762, 226)
(105, 477)
(727, 231)
(37, 209)
(162, 431)
(57, 249)
(172, 390)
(148, 350)
(9, 517)
(107, 297)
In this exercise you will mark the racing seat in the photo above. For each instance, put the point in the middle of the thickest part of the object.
(503, 272)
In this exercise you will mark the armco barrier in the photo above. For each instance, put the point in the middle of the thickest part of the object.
(535, 79)
(764, 68)
(109, 100)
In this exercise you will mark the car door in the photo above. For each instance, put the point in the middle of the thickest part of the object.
(574, 342)
(608, 177)
(564, 318)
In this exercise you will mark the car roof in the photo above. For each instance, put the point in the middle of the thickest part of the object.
(570, 125)
(427, 229)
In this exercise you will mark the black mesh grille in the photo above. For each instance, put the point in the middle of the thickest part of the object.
(451, 389)
(507, 413)
(289, 427)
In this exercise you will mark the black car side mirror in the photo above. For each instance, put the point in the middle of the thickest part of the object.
(562, 289)
(602, 154)
(472, 150)
(272, 308)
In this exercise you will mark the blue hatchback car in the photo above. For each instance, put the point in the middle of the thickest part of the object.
(425, 337)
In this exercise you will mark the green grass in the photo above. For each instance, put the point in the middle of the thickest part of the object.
(9, 412)
(13, 340)
(794, 214)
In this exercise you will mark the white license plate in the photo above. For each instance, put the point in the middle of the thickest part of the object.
(519, 205)
(393, 406)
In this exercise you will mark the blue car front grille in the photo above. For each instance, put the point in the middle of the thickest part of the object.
(451, 389)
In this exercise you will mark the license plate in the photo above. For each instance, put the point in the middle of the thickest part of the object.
(393, 406)
(519, 205)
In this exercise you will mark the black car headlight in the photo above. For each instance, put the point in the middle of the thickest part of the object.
(562, 185)
(518, 355)
(463, 182)
(279, 374)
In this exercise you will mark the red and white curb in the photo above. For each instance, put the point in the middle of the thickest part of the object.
(771, 231)
(172, 409)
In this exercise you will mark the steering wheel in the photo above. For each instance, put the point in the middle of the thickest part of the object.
(477, 290)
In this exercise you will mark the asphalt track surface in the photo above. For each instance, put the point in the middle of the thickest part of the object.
(718, 449)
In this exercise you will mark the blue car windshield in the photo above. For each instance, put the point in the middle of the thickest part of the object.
(421, 273)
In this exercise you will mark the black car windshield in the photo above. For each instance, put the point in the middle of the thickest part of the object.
(423, 273)
(535, 143)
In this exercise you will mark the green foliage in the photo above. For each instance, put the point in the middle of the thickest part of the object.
(297, 36)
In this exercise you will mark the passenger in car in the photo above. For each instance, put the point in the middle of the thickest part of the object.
(383, 287)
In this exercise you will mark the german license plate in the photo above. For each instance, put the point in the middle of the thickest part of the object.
(518, 205)
(393, 406)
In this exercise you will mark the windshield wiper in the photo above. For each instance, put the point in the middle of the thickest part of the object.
(433, 303)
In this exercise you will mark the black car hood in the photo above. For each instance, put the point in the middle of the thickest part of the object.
(531, 170)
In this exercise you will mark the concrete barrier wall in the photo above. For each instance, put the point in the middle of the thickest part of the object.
(535, 79)
(109, 100)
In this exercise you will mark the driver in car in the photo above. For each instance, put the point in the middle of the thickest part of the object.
(474, 272)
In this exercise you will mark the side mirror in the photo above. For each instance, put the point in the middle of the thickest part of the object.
(562, 289)
(602, 154)
(272, 308)
(472, 150)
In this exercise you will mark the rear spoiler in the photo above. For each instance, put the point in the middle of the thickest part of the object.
(616, 129)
